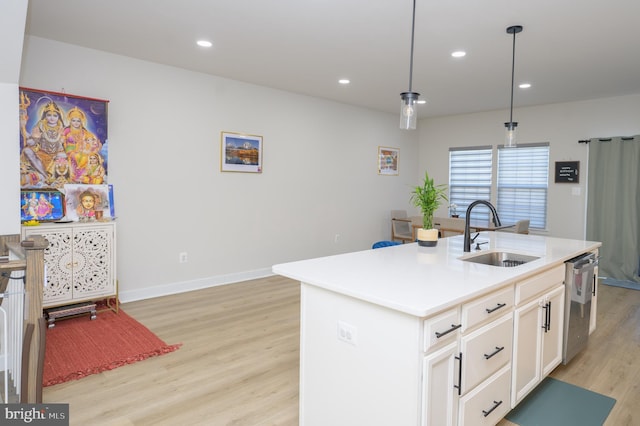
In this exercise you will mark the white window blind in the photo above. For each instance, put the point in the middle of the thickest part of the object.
(470, 179)
(523, 181)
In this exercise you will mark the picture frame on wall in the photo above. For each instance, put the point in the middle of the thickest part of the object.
(41, 205)
(567, 172)
(388, 159)
(63, 139)
(240, 152)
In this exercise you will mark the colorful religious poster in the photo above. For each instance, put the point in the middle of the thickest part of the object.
(63, 139)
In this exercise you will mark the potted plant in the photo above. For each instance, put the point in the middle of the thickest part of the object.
(428, 197)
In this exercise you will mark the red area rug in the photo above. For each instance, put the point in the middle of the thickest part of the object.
(78, 347)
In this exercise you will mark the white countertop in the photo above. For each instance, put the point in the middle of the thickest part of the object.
(421, 281)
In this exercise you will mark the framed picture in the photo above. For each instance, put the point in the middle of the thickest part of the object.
(567, 172)
(388, 161)
(41, 205)
(241, 153)
(87, 202)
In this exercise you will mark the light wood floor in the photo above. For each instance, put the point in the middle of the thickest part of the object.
(240, 356)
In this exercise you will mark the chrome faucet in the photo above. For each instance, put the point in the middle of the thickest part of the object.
(467, 218)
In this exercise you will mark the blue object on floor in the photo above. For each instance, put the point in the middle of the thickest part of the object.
(621, 283)
(556, 403)
(381, 244)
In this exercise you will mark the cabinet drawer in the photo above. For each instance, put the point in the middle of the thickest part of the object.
(488, 403)
(441, 329)
(485, 351)
(487, 307)
(539, 283)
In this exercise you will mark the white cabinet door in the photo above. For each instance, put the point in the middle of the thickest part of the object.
(552, 334)
(537, 348)
(440, 396)
(527, 344)
(58, 259)
(92, 259)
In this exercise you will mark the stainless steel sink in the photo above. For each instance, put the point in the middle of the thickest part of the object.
(500, 258)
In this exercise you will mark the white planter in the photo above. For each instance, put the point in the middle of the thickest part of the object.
(427, 237)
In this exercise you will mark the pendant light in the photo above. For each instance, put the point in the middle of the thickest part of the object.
(510, 137)
(408, 113)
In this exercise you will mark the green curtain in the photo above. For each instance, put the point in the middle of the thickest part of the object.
(613, 207)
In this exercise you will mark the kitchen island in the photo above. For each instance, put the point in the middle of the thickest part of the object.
(411, 335)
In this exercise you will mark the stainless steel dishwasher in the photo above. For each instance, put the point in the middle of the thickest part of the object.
(578, 287)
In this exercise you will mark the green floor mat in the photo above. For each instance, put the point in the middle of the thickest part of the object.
(556, 403)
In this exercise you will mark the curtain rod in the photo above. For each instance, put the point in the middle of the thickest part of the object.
(624, 138)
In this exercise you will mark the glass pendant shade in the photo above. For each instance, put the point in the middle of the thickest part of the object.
(510, 139)
(408, 112)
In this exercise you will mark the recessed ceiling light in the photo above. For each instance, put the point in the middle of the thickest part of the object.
(525, 85)
(459, 54)
(204, 43)
(344, 81)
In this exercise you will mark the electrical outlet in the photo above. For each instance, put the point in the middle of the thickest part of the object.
(336, 238)
(182, 257)
(347, 333)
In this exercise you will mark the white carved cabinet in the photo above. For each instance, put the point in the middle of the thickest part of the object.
(80, 261)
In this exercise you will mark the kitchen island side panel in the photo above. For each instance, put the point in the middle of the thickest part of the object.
(360, 363)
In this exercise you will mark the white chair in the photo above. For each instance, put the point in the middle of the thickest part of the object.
(401, 226)
(522, 227)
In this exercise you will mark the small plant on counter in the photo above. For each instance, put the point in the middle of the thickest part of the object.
(428, 198)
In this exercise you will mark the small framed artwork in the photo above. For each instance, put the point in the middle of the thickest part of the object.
(241, 153)
(388, 161)
(567, 172)
(41, 205)
(87, 202)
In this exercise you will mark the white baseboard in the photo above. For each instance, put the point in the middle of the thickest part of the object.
(184, 286)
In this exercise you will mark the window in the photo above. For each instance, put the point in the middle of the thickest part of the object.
(470, 179)
(523, 180)
(521, 185)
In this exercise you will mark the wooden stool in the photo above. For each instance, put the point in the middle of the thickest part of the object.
(70, 311)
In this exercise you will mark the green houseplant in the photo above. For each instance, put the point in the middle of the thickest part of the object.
(428, 197)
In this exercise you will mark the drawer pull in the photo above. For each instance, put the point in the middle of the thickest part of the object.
(500, 305)
(498, 349)
(453, 328)
(495, 405)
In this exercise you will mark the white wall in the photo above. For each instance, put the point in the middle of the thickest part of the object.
(319, 175)
(320, 169)
(12, 23)
(562, 125)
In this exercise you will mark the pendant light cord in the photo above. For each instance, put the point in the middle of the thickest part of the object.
(413, 26)
(513, 66)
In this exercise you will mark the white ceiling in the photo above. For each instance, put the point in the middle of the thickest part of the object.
(568, 51)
